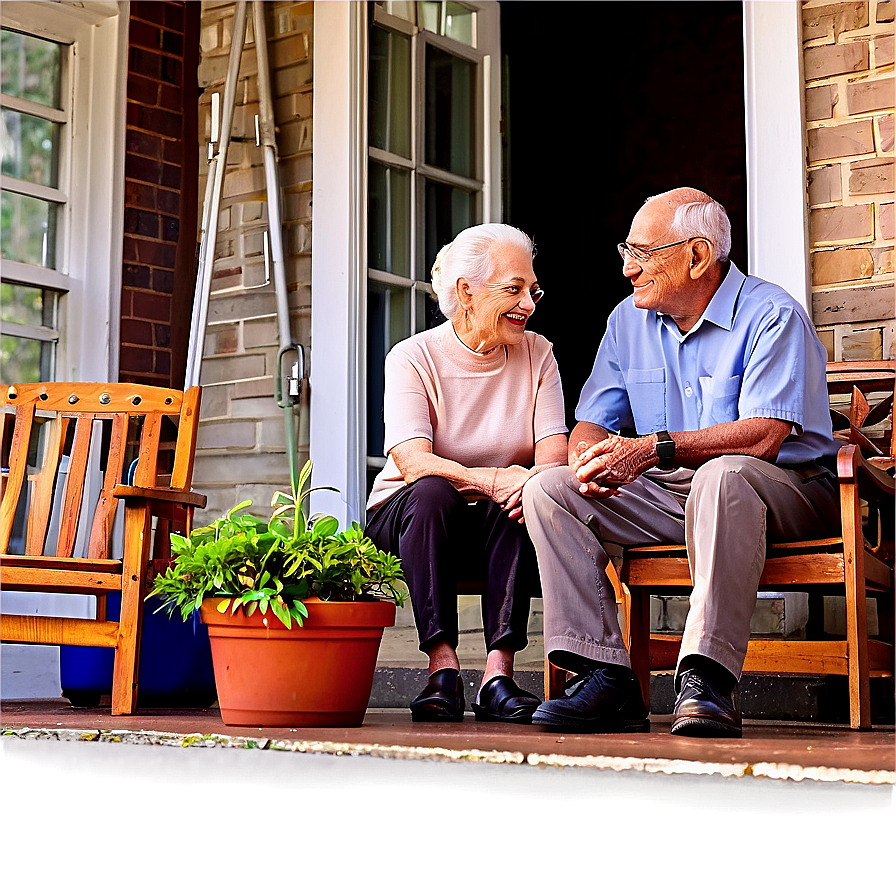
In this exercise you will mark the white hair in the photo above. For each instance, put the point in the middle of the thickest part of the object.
(469, 256)
(706, 218)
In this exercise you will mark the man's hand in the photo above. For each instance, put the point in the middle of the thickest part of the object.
(614, 461)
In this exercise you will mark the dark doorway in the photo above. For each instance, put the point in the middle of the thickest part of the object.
(606, 104)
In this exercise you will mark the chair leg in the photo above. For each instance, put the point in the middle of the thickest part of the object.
(554, 680)
(133, 586)
(856, 608)
(639, 638)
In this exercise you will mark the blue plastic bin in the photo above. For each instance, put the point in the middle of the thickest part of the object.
(175, 663)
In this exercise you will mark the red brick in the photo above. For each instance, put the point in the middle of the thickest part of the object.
(869, 96)
(884, 11)
(820, 102)
(885, 221)
(143, 90)
(136, 359)
(841, 265)
(136, 275)
(150, 307)
(136, 332)
(840, 223)
(143, 34)
(148, 11)
(147, 145)
(869, 176)
(824, 185)
(836, 17)
(885, 129)
(162, 335)
(139, 195)
(854, 138)
(836, 59)
(842, 306)
(162, 280)
(883, 51)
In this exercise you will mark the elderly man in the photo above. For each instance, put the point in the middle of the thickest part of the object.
(705, 420)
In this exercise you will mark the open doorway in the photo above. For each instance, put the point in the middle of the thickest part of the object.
(605, 104)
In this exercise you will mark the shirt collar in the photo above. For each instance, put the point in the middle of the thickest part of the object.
(721, 307)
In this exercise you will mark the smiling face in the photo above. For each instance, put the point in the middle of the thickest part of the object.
(497, 311)
(662, 283)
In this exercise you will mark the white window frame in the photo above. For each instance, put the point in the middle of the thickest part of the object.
(339, 259)
(89, 251)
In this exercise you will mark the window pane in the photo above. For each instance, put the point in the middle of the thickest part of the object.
(28, 305)
(426, 311)
(389, 230)
(448, 211)
(31, 68)
(403, 9)
(26, 360)
(448, 19)
(390, 92)
(30, 148)
(388, 322)
(28, 232)
(450, 107)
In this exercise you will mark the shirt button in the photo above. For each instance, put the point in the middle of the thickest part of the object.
(688, 390)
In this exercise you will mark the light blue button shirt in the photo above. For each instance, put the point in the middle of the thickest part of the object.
(753, 353)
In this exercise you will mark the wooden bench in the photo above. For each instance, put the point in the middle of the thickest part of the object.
(858, 564)
(118, 436)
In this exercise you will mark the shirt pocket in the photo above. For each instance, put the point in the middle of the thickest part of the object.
(720, 398)
(647, 396)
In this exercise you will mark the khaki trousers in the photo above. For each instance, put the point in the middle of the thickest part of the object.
(724, 512)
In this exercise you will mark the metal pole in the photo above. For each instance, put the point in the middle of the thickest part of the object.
(214, 187)
(275, 228)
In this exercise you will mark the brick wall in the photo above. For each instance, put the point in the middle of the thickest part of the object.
(160, 192)
(242, 432)
(848, 66)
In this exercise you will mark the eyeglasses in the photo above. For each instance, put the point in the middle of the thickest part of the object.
(646, 254)
(514, 289)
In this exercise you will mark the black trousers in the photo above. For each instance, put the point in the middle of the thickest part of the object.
(441, 540)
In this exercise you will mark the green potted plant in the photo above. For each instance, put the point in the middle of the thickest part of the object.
(295, 610)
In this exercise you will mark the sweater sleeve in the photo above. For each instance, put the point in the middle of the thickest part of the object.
(406, 406)
(550, 414)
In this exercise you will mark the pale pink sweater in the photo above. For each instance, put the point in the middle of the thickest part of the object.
(478, 410)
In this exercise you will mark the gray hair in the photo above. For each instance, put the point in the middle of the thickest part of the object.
(469, 256)
(705, 218)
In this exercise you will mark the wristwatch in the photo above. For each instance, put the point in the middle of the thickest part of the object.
(665, 450)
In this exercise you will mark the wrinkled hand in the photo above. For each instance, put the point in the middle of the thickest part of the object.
(507, 490)
(615, 461)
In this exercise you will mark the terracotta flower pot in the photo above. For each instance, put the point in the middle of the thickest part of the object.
(317, 675)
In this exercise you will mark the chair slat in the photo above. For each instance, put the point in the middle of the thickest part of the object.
(74, 487)
(43, 484)
(104, 518)
(147, 465)
(18, 460)
(182, 473)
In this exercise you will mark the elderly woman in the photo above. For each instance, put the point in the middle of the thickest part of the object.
(473, 408)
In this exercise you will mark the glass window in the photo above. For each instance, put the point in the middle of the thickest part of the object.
(424, 173)
(389, 212)
(389, 102)
(450, 101)
(31, 68)
(34, 126)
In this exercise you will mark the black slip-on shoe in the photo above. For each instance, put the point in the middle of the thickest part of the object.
(703, 711)
(442, 700)
(503, 700)
(599, 702)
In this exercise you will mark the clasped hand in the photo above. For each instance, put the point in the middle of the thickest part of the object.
(507, 489)
(614, 461)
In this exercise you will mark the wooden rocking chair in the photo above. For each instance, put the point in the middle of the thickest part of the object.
(857, 564)
(120, 435)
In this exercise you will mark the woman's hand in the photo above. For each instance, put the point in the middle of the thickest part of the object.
(507, 489)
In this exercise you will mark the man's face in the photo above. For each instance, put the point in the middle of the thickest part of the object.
(662, 282)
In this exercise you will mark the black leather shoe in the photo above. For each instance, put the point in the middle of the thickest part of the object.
(442, 700)
(503, 700)
(702, 711)
(601, 702)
